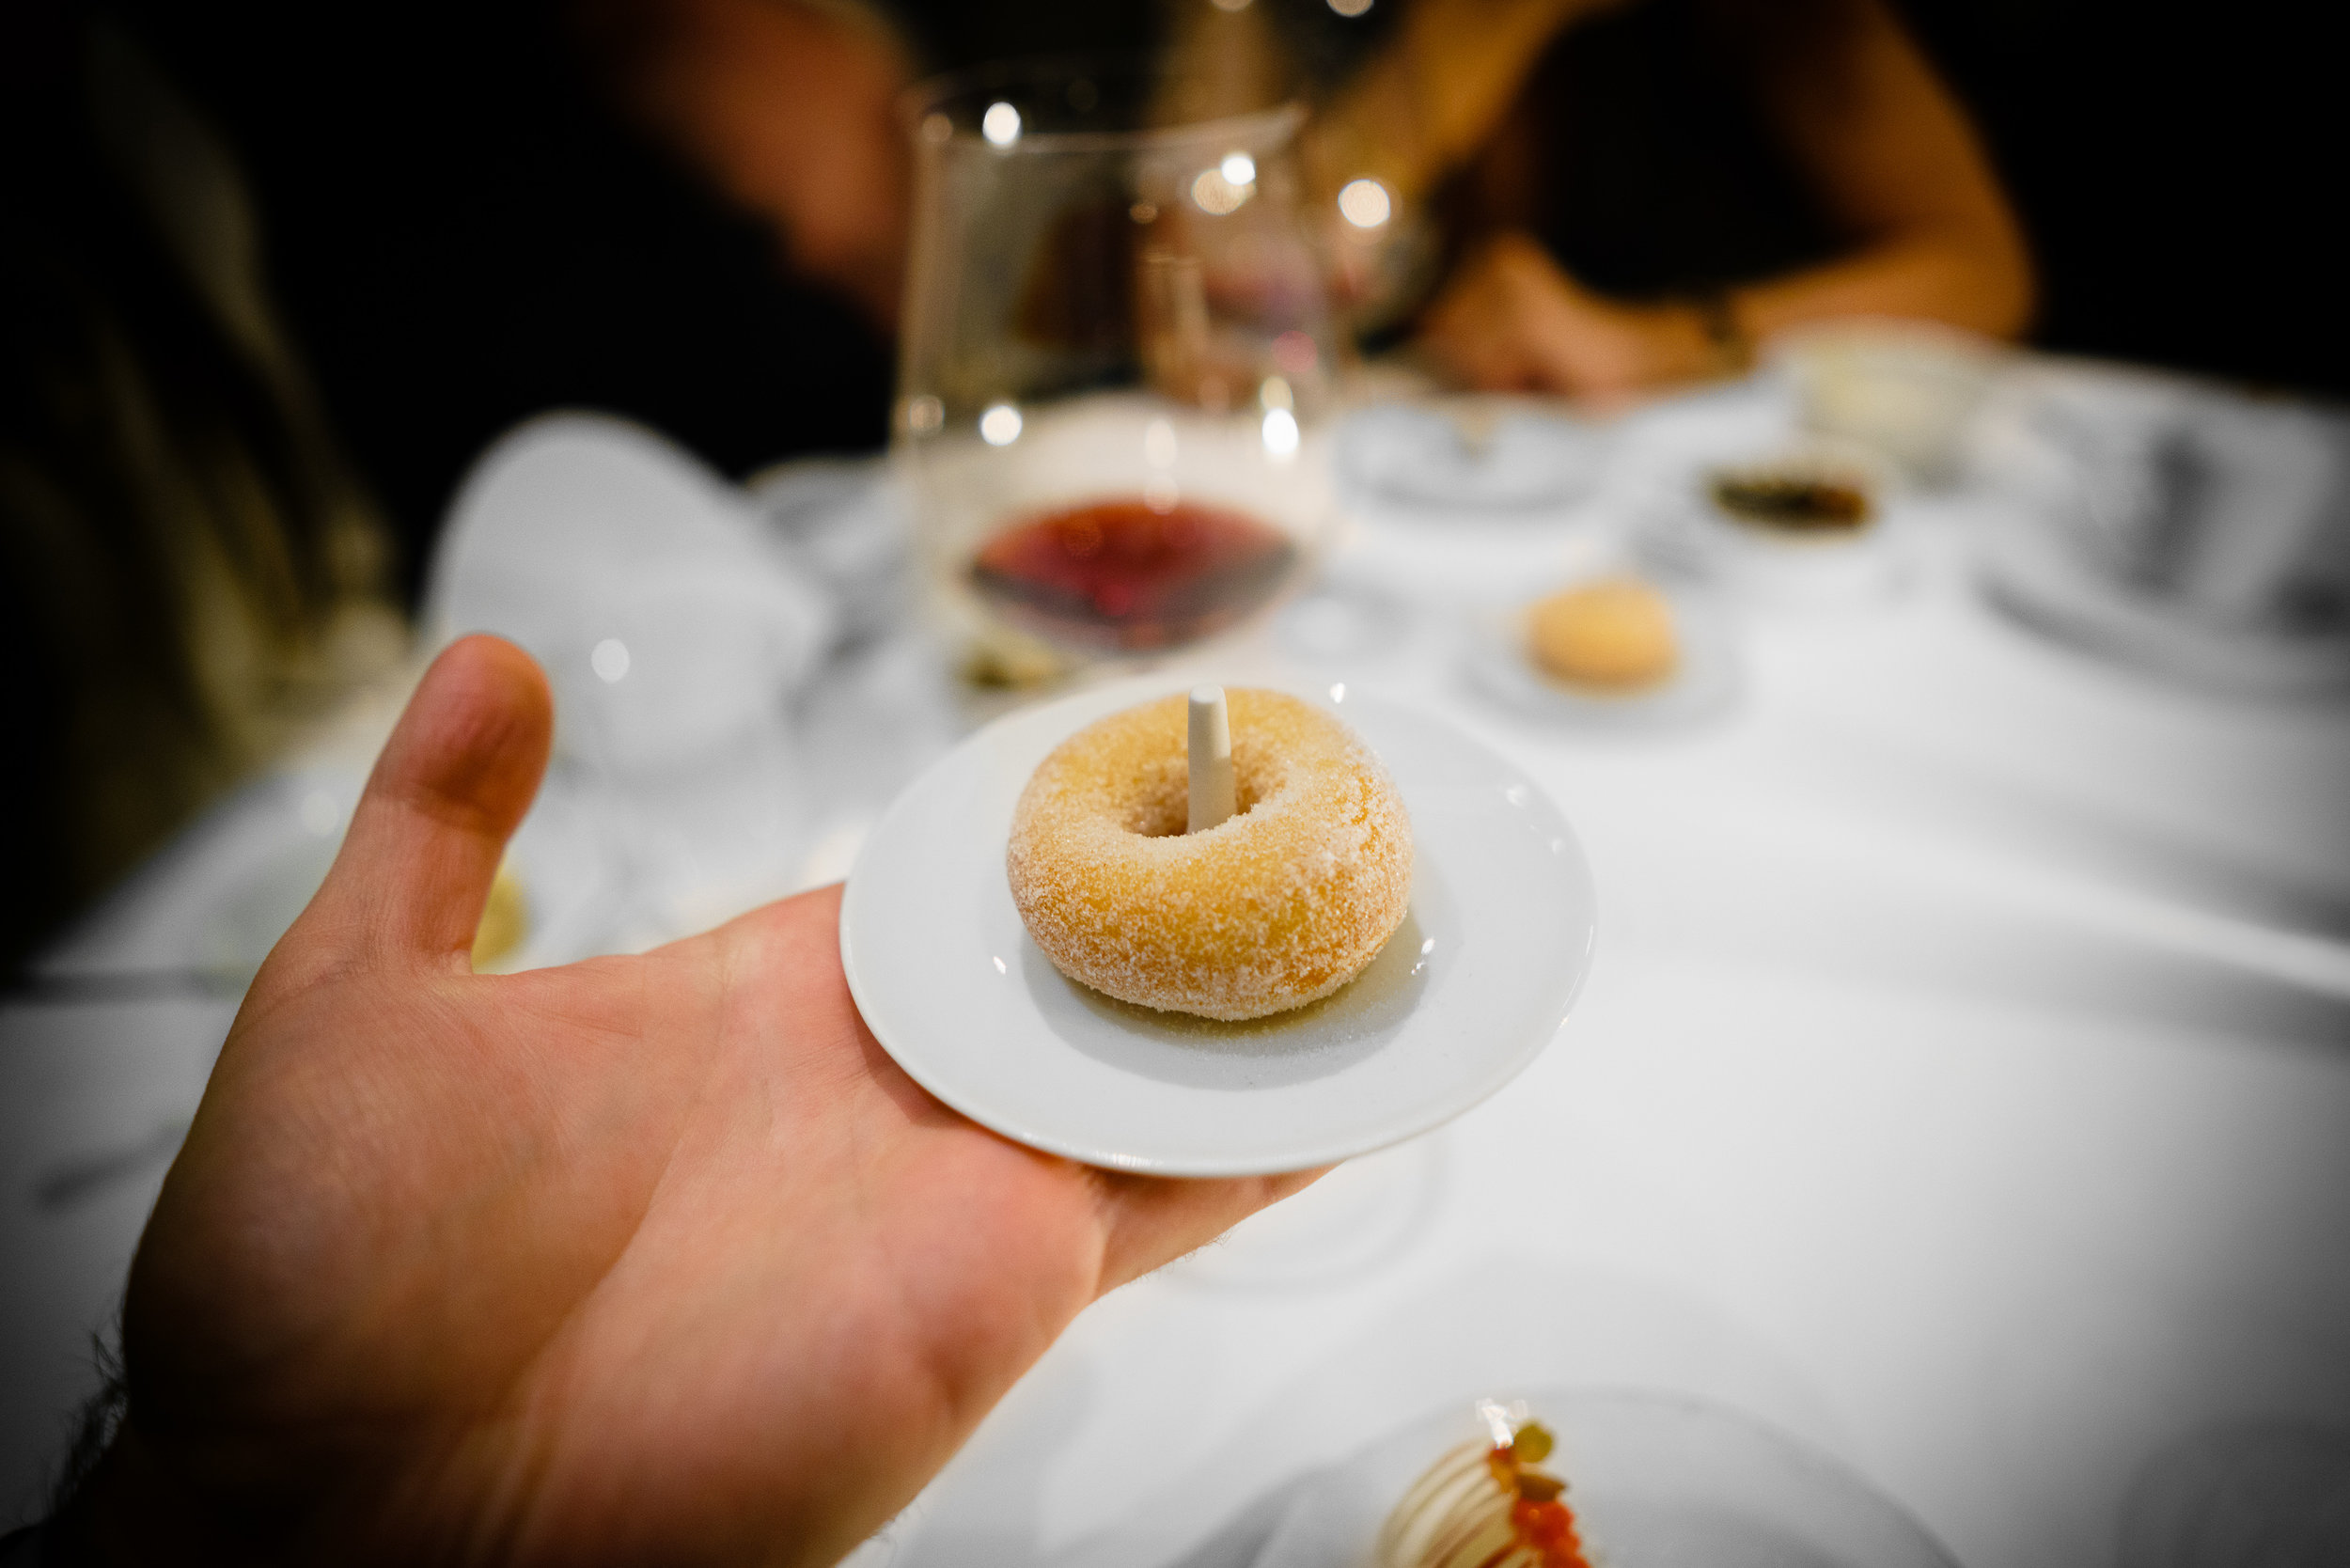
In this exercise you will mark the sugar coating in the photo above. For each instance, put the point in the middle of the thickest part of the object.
(1276, 907)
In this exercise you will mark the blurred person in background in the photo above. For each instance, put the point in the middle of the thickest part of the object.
(686, 212)
(1636, 194)
(692, 213)
(275, 273)
(2167, 168)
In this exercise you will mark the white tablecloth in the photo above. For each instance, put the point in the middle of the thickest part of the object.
(1964, 1086)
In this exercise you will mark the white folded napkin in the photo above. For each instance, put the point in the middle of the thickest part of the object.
(668, 618)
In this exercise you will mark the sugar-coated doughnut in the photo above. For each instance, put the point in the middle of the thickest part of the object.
(1615, 634)
(1275, 908)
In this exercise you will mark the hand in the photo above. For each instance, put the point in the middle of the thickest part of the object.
(649, 1258)
(1511, 321)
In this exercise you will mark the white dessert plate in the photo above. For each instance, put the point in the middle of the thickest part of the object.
(1469, 991)
(1702, 687)
(1655, 1481)
(1683, 530)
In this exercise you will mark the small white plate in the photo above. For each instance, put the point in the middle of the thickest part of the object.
(1681, 530)
(1701, 688)
(1470, 989)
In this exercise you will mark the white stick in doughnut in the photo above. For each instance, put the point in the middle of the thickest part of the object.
(1213, 795)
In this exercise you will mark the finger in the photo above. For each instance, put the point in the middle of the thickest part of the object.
(450, 789)
(1152, 1220)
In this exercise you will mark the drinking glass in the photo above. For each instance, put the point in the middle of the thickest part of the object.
(1115, 365)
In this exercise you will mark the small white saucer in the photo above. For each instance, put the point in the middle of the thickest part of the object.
(1468, 992)
(1701, 688)
(1681, 530)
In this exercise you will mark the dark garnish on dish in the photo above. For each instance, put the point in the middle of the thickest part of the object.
(1792, 503)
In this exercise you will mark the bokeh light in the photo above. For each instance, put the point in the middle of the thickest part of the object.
(1000, 424)
(1216, 196)
(1365, 203)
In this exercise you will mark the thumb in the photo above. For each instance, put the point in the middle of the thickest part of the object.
(450, 789)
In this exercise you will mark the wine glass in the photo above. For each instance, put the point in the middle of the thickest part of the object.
(1117, 361)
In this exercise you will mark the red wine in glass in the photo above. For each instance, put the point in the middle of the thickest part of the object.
(1125, 575)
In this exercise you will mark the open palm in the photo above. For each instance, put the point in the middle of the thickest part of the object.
(646, 1259)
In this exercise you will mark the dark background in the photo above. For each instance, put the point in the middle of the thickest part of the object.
(2179, 171)
(463, 232)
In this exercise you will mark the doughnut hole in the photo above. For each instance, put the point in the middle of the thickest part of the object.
(1160, 807)
(1161, 804)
